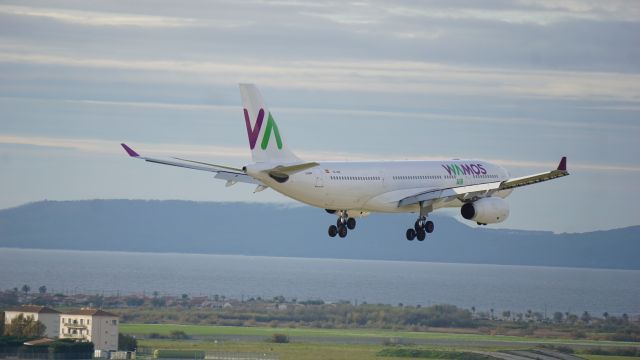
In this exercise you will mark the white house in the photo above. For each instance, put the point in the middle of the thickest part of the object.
(48, 316)
(98, 326)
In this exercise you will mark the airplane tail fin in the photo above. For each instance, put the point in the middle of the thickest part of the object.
(265, 140)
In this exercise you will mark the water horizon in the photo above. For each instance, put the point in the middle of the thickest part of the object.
(483, 286)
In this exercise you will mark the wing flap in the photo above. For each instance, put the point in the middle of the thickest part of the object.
(457, 192)
(236, 177)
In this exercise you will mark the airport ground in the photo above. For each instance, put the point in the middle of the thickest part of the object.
(307, 343)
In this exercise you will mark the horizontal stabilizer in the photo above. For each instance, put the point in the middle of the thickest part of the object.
(281, 173)
(290, 170)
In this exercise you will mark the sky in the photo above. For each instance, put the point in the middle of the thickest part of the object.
(520, 83)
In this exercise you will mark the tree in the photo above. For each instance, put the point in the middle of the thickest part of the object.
(135, 301)
(605, 315)
(42, 289)
(1, 323)
(506, 314)
(158, 302)
(127, 342)
(558, 316)
(8, 298)
(25, 327)
(69, 349)
(26, 288)
(586, 317)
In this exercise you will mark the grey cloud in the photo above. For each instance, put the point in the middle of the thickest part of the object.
(369, 32)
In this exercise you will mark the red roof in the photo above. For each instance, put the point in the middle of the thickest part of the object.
(91, 312)
(34, 309)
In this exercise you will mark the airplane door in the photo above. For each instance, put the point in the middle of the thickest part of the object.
(319, 178)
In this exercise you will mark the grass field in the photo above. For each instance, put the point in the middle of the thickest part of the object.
(202, 330)
(304, 351)
(308, 343)
(292, 351)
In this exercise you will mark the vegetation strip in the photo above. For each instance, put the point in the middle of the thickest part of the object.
(202, 330)
(432, 354)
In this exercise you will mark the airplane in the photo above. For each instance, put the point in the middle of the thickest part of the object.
(352, 190)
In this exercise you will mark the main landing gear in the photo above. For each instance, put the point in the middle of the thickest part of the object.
(343, 225)
(420, 229)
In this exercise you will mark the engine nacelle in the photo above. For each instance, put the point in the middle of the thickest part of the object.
(489, 210)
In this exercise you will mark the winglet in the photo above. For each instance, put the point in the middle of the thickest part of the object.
(563, 164)
(129, 150)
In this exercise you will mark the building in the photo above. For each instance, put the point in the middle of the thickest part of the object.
(98, 326)
(47, 316)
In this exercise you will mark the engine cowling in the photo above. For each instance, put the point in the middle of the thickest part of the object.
(488, 210)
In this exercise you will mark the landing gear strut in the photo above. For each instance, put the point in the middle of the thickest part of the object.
(343, 225)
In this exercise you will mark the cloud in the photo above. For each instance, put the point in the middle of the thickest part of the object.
(369, 76)
(100, 146)
(98, 18)
(470, 119)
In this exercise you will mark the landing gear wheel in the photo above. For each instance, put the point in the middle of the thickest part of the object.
(417, 226)
(411, 234)
(333, 230)
(421, 235)
(342, 231)
(339, 222)
(351, 223)
(429, 226)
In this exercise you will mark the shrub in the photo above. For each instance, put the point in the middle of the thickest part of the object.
(69, 349)
(279, 338)
(178, 335)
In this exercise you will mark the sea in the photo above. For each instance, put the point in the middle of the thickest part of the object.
(483, 287)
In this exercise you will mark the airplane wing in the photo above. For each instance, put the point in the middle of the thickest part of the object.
(231, 174)
(486, 189)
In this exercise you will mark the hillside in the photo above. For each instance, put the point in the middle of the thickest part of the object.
(275, 230)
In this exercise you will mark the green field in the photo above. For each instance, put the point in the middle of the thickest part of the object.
(310, 343)
(203, 330)
(304, 351)
(292, 351)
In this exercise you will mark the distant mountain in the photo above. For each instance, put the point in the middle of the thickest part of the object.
(277, 230)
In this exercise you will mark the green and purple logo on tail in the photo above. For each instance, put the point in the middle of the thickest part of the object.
(255, 132)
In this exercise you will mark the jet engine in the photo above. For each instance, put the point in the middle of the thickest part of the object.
(489, 210)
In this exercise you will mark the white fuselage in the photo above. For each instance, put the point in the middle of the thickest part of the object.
(377, 186)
